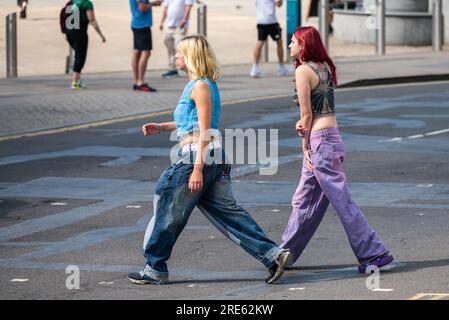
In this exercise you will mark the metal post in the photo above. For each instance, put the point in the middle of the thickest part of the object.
(70, 60)
(202, 19)
(324, 22)
(265, 52)
(437, 26)
(294, 20)
(11, 45)
(380, 27)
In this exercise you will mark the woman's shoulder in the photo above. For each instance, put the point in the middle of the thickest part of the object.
(202, 85)
(86, 5)
(304, 70)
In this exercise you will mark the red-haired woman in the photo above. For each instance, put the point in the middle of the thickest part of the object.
(323, 180)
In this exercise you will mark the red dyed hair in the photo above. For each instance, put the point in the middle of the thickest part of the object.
(313, 49)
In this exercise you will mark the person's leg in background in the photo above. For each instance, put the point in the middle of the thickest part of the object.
(142, 52)
(79, 43)
(170, 43)
(135, 66)
(142, 66)
(255, 69)
(276, 35)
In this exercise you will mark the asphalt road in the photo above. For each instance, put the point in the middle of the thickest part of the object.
(83, 198)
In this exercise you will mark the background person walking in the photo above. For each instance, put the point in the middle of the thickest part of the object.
(323, 180)
(267, 25)
(141, 23)
(175, 20)
(78, 38)
(199, 177)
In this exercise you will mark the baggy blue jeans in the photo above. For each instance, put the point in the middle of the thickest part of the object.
(173, 203)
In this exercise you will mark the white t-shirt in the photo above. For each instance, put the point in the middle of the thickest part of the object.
(175, 11)
(266, 12)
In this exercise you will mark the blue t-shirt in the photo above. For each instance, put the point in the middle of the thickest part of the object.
(140, 19)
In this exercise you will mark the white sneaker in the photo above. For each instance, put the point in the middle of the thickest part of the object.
(285, 70)
(255, 71)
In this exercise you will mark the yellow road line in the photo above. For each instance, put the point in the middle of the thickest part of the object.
(432, 296)
(82, 126)
(154, 114)
(118, 120)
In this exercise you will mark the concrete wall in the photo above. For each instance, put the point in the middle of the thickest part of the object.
(402, 5)
(392, 5)
(401, 29)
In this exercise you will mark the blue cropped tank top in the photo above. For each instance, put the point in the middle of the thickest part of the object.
(186, 116)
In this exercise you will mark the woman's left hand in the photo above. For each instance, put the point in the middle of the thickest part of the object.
(196, 181)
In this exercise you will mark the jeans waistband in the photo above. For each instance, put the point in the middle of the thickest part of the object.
(192, 147)
(325, 133)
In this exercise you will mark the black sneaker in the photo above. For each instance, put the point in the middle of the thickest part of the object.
(276, 271)
(170, 74)
(142, 278)
(136, 87)
(145, 88)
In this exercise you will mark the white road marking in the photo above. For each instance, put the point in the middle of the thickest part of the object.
(382, 290)
(59, 204)
(417, 136)
(19, 280)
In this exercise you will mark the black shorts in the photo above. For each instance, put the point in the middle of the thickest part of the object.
(273, 30)
(142, 39)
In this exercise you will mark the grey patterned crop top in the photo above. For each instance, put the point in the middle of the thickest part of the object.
(322, 96)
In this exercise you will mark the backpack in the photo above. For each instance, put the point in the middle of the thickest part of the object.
(63, 15)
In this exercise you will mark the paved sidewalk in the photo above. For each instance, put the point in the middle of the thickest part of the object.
(31, 104)
(231, 29)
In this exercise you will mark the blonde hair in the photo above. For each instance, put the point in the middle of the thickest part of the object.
(199, 57)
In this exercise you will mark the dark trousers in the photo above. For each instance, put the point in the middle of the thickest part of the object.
(79, 42)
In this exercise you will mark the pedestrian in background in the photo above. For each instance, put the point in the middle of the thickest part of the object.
(175, 20)
(267, 25)
(23, 4)
(323, 180)
(141, 23)
(78, 38)
(200, 176)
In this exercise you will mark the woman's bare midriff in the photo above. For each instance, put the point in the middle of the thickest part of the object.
(324, 122)
(192, 138)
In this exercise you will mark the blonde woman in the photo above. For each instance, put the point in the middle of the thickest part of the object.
(199, 177)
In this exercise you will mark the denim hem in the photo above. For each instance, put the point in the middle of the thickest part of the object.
(154, 274)
(269, 259)
(375, 257)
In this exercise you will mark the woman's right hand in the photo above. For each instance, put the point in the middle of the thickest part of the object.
(300, 129)
(308, 159)
(151, 129)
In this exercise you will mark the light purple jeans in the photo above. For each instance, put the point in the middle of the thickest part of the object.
(327, 183)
